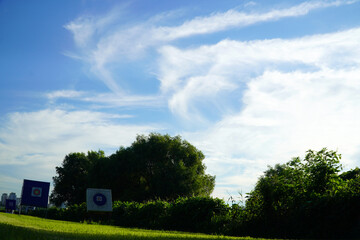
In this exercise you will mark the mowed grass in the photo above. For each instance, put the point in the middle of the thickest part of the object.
(19, 227)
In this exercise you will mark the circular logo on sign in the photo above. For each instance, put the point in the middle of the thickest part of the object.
(99, 199)
(36, 192)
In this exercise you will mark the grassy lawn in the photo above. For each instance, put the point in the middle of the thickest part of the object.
(18, 227)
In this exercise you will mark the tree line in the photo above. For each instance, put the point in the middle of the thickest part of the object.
(303, 198)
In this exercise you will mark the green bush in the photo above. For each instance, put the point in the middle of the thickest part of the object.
(126, 213)
(153, 214)
(197, 214)
(194, 214)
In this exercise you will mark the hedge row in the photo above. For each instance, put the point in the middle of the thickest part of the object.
(320, 218)
(195, 214)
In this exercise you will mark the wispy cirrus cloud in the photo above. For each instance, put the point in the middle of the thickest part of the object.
(64, 94)
(87, 28)
(106, 100)
(118, 42)
(232, 18)
(210, 71)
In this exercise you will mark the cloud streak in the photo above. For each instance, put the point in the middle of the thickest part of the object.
(105, 100)
(116, 43)
(232, 18)
(214, 70)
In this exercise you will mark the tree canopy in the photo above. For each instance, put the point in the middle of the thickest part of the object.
(73, 177)
(306, 197)
(153, 167)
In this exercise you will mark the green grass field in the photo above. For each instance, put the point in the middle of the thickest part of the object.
(19, 227)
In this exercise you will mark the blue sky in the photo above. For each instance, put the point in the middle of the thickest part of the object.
(249, 83)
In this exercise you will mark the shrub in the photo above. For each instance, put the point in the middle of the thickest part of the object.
(197, 214)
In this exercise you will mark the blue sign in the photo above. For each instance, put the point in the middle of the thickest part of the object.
(10, 204)
(99, 199)
(35, 193)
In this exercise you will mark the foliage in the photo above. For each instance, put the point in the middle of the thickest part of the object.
(158, 167)
(153, 167)
(350, 175)
(152, 214)
(194, 214)
(197, 214)
(73, 177)
(305, 198)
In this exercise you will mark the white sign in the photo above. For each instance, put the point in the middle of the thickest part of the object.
(99, 200)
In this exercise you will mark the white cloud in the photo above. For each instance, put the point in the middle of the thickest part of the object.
(250, 4)
(64, 94)
(47, 136)
(106, 100)
(10, 184)
(87, 28)
(303, 111)
(300, 94)
(102, 41)
(223, 67)
(82, 30)
(196, 88)
(34, 143)
(222, 21)
(127, 100)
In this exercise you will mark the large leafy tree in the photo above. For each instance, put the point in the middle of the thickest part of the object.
(159, 166)
(282, 187)
(73, 177)
(153, 167)
(306, 197)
